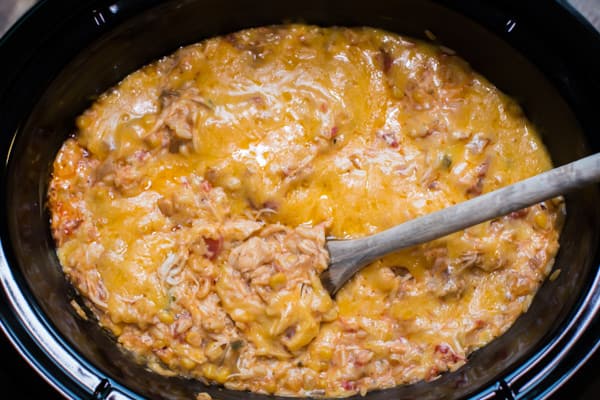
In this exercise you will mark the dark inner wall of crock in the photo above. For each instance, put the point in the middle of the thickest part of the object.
(160, 31)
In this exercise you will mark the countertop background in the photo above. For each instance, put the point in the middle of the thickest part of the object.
(19, 381)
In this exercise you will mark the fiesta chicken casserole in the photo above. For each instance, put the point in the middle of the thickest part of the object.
(190, 210)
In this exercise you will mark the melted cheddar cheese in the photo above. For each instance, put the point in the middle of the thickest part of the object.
(192, 205)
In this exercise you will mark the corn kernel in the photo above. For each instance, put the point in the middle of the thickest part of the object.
(330, 315)
(214, 350)
(222, 374)
(154, 140)
(167, 358)
(214, 373)
(527, 302)
(209, 371)
(277, 280)
(541, 220)
(148, 121)
(315, 365)
(116, 330)
(554, 275)
(196, 355)
(324, 352)
(194, 338)
(187, 363)
(270, 386)
(401, 311)
(383, 279)
(84, 121)
(166, 317)
(294, 381)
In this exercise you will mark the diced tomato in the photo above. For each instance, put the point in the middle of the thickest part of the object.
(214, 247)
(518, 214)
(442, 348)
(448, 354)
(206, 186)
(390, 138)
(334, 132)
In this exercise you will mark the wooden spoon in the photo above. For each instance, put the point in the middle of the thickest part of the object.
(347, 257)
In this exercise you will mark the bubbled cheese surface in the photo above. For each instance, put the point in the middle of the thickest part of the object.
(191, 208)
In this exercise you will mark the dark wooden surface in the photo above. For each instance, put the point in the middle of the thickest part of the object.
(19, 381)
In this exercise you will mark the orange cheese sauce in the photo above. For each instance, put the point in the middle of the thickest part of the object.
(192, 205)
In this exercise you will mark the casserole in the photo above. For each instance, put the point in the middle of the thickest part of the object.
(54, 78)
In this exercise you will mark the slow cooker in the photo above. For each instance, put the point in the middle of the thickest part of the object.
(63, 54)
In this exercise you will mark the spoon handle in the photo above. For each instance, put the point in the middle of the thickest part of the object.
(349, 256)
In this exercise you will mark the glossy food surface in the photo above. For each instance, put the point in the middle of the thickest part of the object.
(192, 205)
